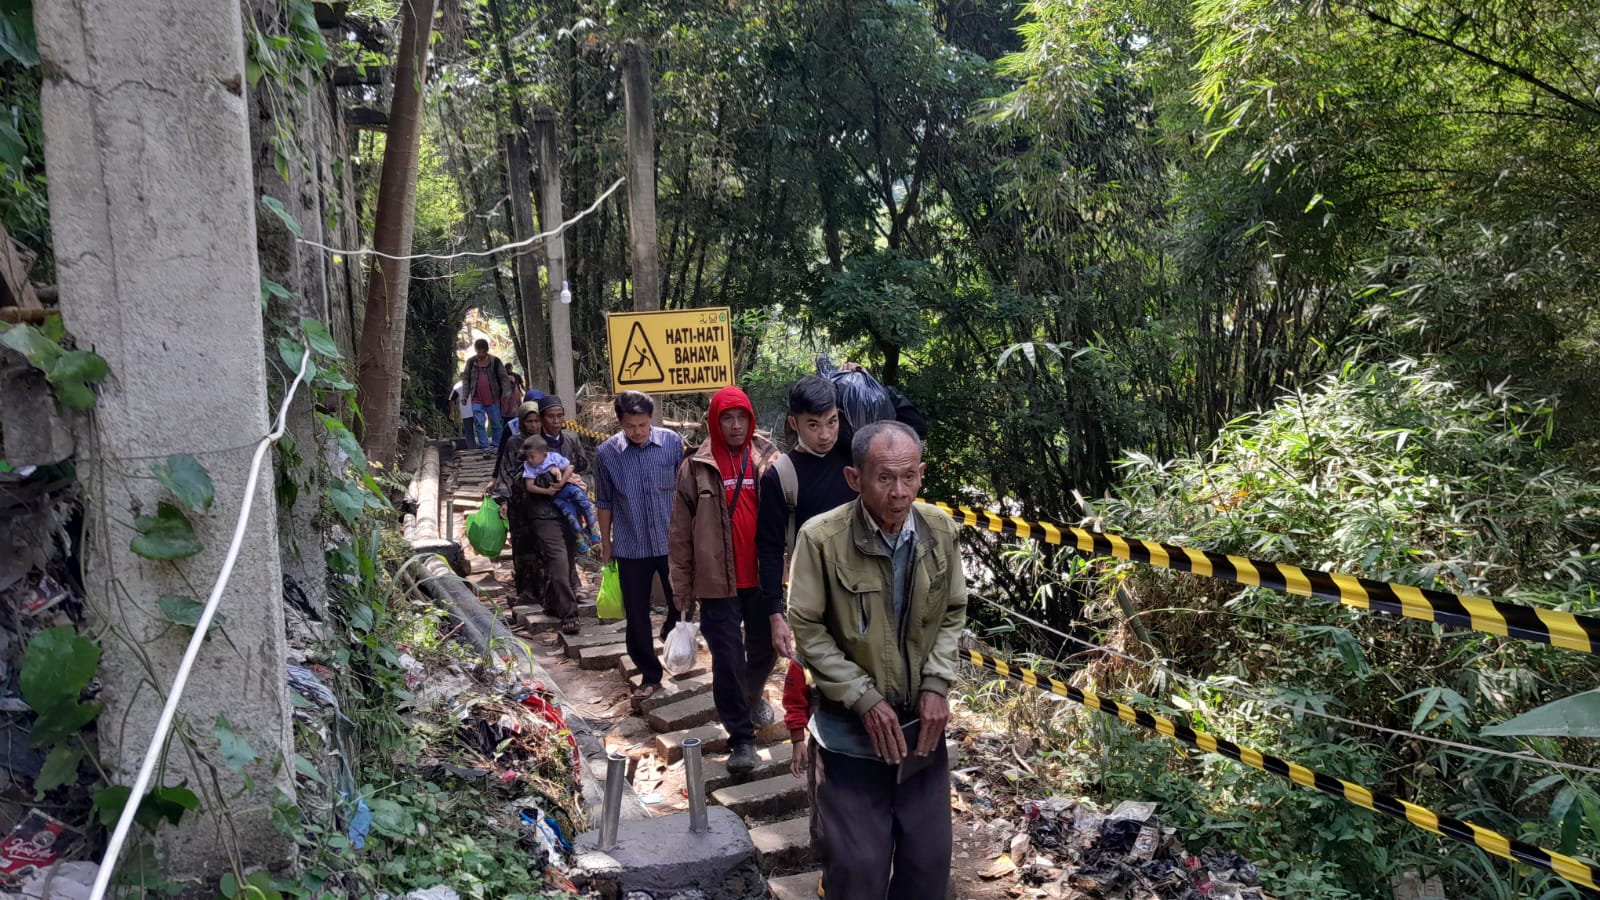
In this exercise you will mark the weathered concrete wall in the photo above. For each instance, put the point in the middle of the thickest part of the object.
(152, 205)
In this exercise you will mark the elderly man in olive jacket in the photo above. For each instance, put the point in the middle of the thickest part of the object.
(877, 601)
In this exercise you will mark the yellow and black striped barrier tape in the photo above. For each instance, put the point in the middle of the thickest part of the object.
(1547, 626)
(1492, 842)
(586, 432)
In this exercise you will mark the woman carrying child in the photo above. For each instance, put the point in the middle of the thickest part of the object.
(539, 538)
(549, 474)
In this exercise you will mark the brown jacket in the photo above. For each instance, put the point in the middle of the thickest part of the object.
(700, 537)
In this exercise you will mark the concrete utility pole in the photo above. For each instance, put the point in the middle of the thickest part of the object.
(519, 181)
(154, 220)
(641, 128)
(555, 254)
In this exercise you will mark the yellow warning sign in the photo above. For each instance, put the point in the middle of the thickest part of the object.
(671, 351)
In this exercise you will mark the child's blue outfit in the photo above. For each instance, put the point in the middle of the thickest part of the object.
(572, 501)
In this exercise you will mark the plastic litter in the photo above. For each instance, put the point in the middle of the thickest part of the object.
(679, 653)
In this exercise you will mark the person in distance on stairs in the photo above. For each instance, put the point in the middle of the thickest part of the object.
(711, 553)
(635, 471)
(877, 601)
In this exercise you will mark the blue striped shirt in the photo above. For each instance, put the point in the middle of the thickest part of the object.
(636, 483)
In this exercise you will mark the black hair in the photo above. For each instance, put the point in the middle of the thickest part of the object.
(480, 344)
(535, 442)
(861, 444)
(813, 395)
(633, 403)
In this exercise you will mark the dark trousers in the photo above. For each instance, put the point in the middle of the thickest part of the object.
(883, 841)
(740, 637)
(556, 548)
(635, 576)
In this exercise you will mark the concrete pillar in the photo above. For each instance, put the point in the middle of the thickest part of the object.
(154, 218)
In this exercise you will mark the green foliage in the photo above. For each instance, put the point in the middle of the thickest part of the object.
(235, 750)
(162, 804)
(184, 611)
(167, 535)
(1393, 472)
(1575, 716)
(56, 667)
(188, 481)
(70, 372)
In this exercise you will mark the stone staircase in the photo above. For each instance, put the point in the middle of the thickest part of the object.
(770, 801)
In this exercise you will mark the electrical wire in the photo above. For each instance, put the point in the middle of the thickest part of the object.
(514, 245)
(119, 835)
(1273, 702)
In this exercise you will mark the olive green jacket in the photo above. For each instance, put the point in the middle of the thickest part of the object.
(841, 608)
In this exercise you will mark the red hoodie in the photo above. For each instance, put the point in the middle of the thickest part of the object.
(731, 463)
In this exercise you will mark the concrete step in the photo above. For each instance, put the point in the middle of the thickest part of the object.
(602, 657)
(631, 671)
(766, 798)
(594, 637)
(783, 845)
(674, 690)
(534, 621)
(712, 738)
(770, 761)
(796, 887)
(686, 713)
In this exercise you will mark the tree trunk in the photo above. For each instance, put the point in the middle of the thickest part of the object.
(555, 254)
(519, 181)
(383, 330)
(641, 130)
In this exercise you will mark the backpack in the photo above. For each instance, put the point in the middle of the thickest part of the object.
(790, 483)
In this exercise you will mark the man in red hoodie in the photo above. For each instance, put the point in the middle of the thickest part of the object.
(711, 556)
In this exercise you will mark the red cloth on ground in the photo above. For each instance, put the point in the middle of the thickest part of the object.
(730, 463)
(796, 698)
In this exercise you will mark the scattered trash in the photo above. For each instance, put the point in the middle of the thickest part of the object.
(30, 846)
(413, 669)
(360, 824)
(1000, 868)
(437, 892)
(62, 881)
(44, 596)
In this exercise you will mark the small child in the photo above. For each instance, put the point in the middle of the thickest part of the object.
(797, 705)
(572, 500)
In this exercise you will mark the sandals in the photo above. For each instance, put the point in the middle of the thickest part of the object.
(644, 692)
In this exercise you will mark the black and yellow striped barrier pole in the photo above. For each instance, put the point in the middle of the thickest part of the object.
(1491, 842)
(1531, 623)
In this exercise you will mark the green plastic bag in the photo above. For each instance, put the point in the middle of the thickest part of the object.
(486, 531)
(609, 604)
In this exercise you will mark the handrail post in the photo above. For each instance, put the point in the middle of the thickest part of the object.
(694, 780)
(611, 804)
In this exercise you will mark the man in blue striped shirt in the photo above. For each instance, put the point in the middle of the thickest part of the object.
(635, 473)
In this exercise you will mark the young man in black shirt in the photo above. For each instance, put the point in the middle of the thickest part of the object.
(816, 463)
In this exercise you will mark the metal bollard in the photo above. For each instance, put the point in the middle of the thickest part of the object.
(695, 780)
(611, 804)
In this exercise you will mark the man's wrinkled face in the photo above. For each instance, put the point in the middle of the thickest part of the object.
(889, 479)
(636, 427)
(555, 419)
(735, 425)
(819, 432)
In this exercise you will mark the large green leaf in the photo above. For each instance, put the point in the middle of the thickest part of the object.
(235, 749)
(184, 610)
(188, 480)
(1575, 716)
(165, 535)
(58, 723)
(320, 338)
(56, 667)
(17, 40)
(168, 803)
(276, 207)
(60, 768)
(78, 366)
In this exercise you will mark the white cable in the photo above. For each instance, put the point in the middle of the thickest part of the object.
(1273, 702)
(164, 724)
(514, 245)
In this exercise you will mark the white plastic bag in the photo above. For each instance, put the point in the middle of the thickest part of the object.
(679, 653)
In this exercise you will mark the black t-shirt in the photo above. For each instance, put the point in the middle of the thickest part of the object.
(820, 487)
